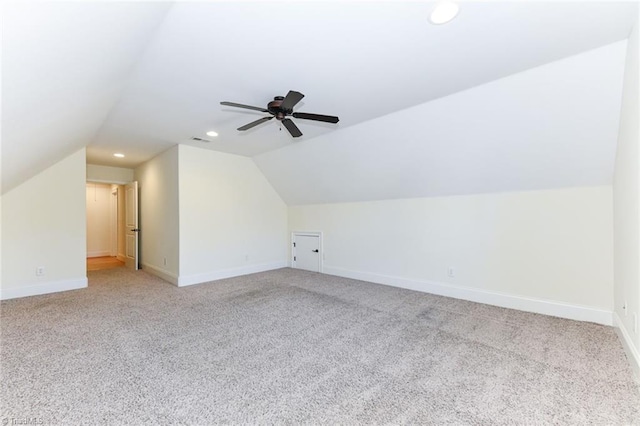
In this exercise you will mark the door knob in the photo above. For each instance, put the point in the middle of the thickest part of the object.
(315, 251)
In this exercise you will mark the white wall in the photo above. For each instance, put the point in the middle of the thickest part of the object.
(107, 174)
(44, 225)
(158, 204)
(626, 196)
(232, 221)
(544, 251)
(99, 219)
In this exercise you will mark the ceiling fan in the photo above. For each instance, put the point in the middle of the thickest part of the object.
(281, 107)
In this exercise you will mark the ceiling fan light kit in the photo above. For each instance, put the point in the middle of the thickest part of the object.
(281, 107)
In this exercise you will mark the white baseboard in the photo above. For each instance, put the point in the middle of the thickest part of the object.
(161, 273)
(528, 304)
(99, 253)
(228, 273)
(43, 288)
(632, 352)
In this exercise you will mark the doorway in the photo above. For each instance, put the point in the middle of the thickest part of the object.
(306, 251)
(105, 226)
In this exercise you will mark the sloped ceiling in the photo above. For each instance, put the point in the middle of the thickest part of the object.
(552, 126)
(141, 77)
(64, 64)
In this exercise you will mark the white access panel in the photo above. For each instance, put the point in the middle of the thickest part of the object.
(307, 252)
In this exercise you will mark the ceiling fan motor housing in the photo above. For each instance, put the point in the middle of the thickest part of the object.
(274, 108)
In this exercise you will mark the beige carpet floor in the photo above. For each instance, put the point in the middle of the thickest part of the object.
(292, 347)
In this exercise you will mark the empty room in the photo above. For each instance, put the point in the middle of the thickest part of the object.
(320, 212)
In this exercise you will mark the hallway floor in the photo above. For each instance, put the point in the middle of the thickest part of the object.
(105, 262)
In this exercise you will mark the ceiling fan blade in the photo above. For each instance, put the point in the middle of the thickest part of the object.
(291, 127)
(255, 123)
(233, 104)
(316, 117)
(291, 100)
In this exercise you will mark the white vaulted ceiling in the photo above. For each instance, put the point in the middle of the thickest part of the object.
(139, 77)
(64, 65)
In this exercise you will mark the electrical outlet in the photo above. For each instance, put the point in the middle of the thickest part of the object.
(246, 257)
(40, 271)
(164, 261)
(451, 273)
(624, 308)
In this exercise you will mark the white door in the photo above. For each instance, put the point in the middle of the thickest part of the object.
(306, 252)
(131, 214)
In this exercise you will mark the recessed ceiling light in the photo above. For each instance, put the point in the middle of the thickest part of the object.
(444, 12)
(212, 133)
(117, 154)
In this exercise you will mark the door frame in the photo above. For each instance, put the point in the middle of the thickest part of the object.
(132, 229)
(320, 247)
(119, 236)
(113, 221)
